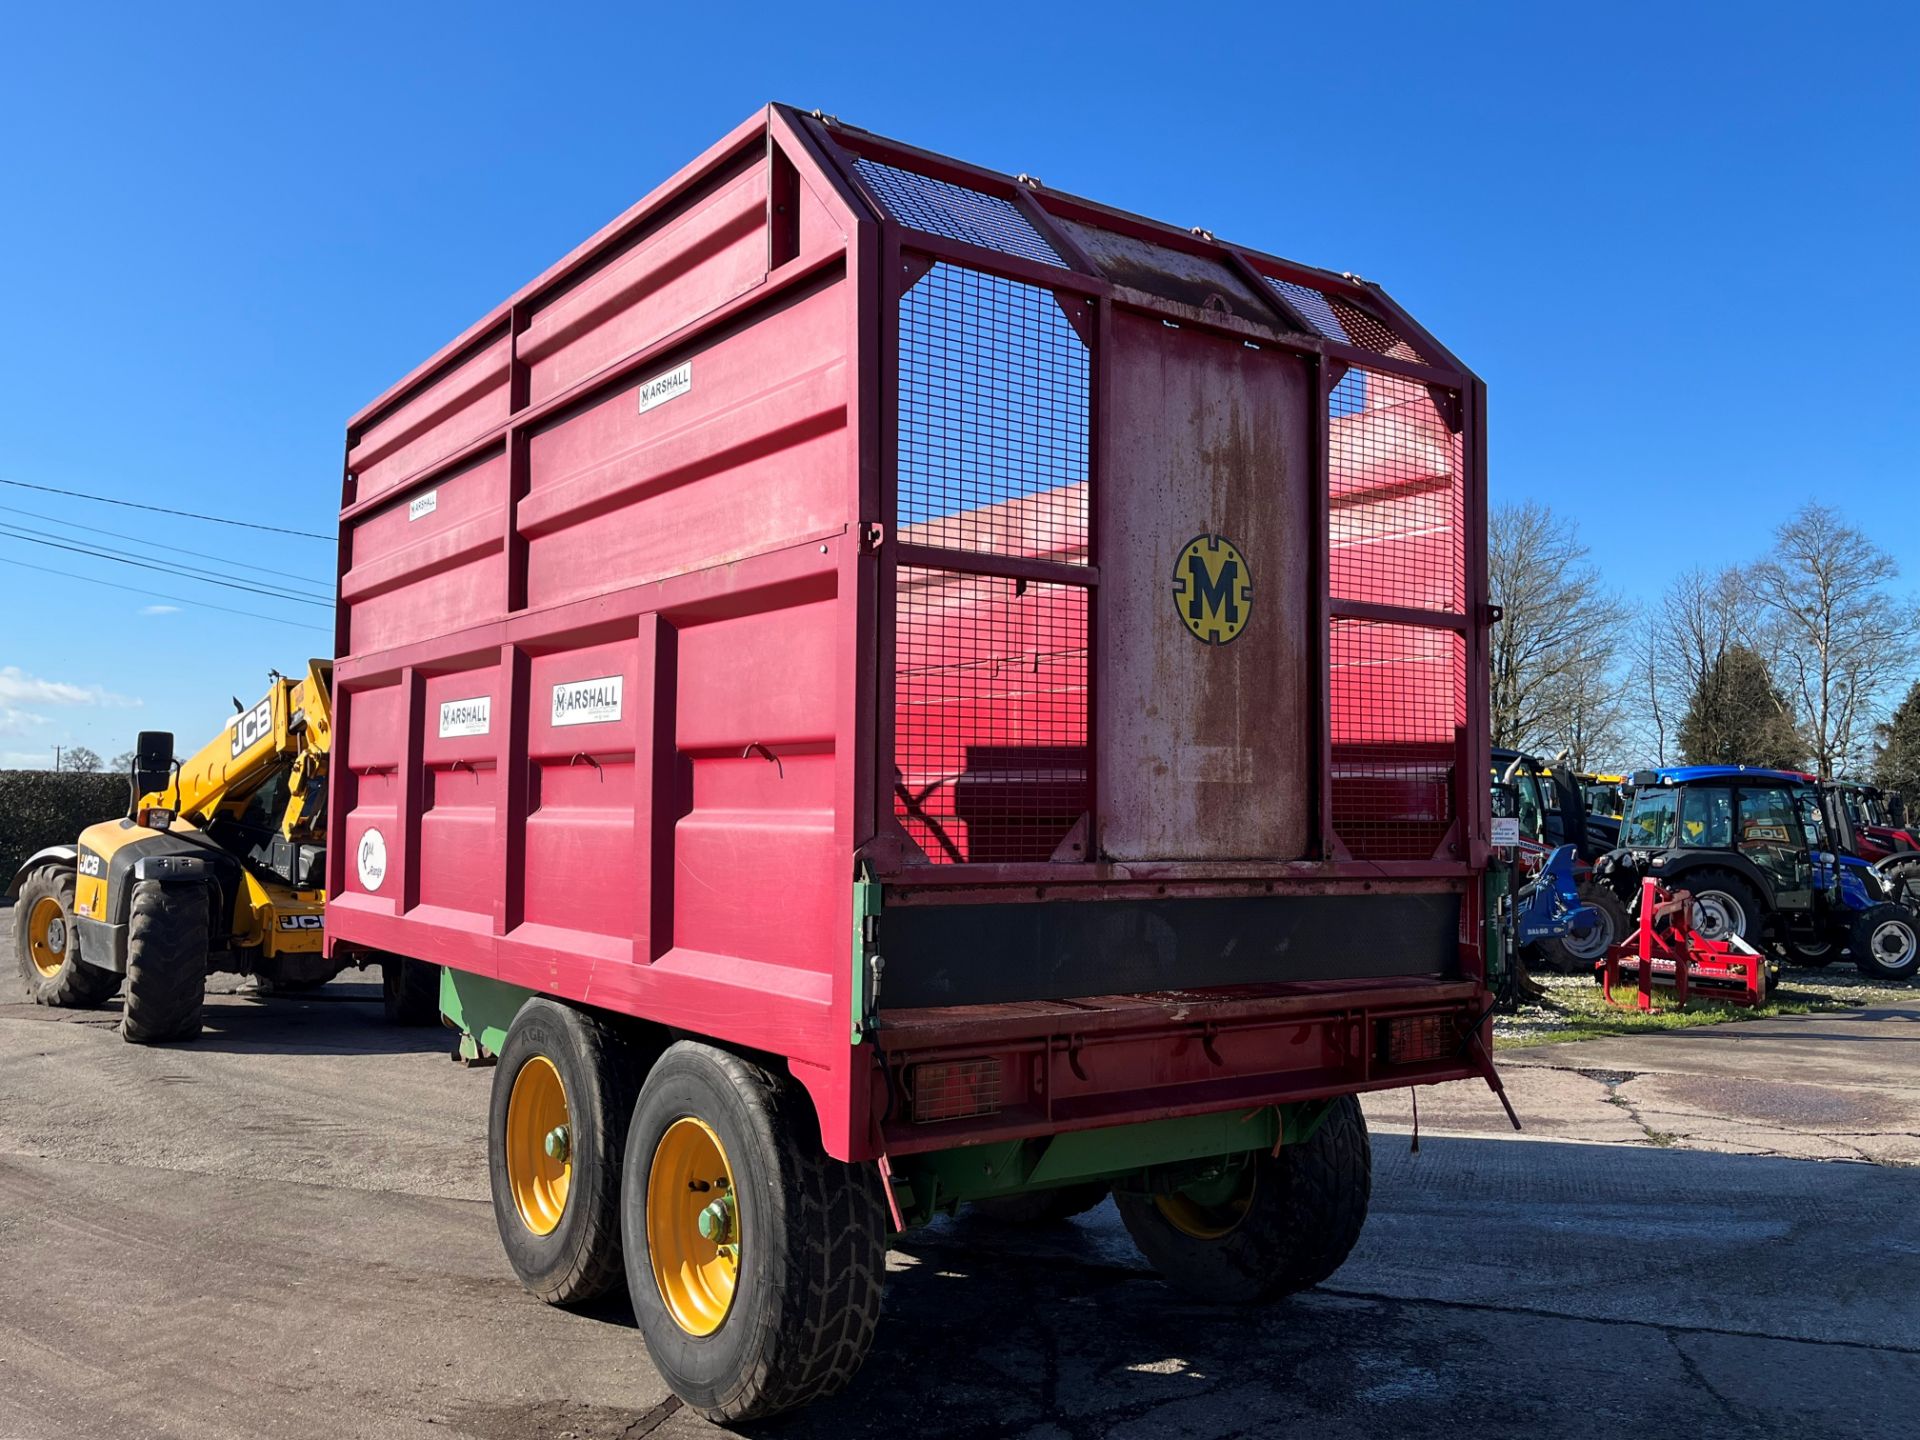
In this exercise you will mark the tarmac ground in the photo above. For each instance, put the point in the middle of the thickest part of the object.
(282, 1230)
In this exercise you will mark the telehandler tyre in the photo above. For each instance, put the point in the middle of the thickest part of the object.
(557, 1124)
(754, 1261)
(1289, 1223)
(166, 963)
(409, 991)
(48, 949)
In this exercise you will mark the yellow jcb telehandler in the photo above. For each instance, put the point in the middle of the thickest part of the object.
(219, 865)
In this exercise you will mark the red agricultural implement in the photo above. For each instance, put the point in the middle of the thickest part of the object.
(885, 686)
(1669, 954)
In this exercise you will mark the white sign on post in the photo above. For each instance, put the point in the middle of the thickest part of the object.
(1506, 831)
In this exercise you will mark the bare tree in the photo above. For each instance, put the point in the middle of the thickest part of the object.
(1652, 706)
(1558, 632)
(79, 758)
(1837, 640)
(1590, 712)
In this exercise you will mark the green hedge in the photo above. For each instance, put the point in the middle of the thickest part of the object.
(40, 807)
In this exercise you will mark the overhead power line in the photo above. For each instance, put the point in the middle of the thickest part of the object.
(14, 532)
(163, 510)
(176, 599)
(69, 526)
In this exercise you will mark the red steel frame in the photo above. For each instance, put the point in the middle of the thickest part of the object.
(1089, 1067)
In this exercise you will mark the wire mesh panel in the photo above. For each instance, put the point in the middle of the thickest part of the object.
(990, 714)
(955, 212)
(1398, 712)
(1397, 493)
(1334, 317)
(992, 418)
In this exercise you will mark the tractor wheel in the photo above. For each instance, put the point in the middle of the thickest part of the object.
(1724, 905)
(562, 1093)
(1043, 1207)
(409, 991)
(49, 951)
(1810, 954)
(1288, 1223)
(1578, 951)
(1886, 943)
(754, 1260)
(166, 963)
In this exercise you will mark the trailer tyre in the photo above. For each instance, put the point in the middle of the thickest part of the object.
(1288, 1225)
(410, 991)
(166, 962)
(556, 1127)
(1886, 943)
(754, 1260)
(1043, 1207)
(48, 949)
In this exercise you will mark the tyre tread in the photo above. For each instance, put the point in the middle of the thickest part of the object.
(166, 962)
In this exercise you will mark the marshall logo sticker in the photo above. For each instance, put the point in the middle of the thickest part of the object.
(1213, 589)
(370, 859)
(662, 388)
(422, 505)
(466, 717)
(587, 702)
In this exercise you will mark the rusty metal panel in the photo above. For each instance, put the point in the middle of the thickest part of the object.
(1205, 611)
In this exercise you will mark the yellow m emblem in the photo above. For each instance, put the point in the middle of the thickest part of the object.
(1213, 589)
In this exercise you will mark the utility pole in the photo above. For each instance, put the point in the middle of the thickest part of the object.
(56, 759)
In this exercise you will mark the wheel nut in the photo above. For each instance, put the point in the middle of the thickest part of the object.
(559, 1143)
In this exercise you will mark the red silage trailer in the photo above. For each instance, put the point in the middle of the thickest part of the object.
(886, 686)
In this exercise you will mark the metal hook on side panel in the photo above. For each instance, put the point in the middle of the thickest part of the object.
(753, 745)
(580, 755)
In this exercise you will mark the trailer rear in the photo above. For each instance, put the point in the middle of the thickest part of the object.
(886, 685)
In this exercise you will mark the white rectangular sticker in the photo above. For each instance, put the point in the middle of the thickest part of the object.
(422, 505)
(588, 702)
(1506, 831)
(466, 717)
(662, 388)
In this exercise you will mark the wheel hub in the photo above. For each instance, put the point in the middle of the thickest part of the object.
(539, 1146)
(1716, 916)
(1892, 944)
(47, 937)
(693, 1226)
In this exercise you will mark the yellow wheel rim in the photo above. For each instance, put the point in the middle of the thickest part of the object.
(47, 936)
(539, 1145)
(1208, 1222)
(693, 1226)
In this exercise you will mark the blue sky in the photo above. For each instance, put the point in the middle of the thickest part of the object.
(1678, 241)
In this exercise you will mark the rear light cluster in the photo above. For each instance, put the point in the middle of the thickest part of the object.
(1416, 1038)
(953, 1089)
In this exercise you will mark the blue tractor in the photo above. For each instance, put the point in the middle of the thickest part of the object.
(1764, 860)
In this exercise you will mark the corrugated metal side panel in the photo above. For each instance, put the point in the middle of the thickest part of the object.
(468, 398)
(430, 561)
(711, 252)
(751, 452)
(598, 706)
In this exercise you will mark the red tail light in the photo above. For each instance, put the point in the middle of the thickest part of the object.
(953, 1089)
(1421, 1037)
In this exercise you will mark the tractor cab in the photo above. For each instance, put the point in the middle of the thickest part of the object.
(1766, 859)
